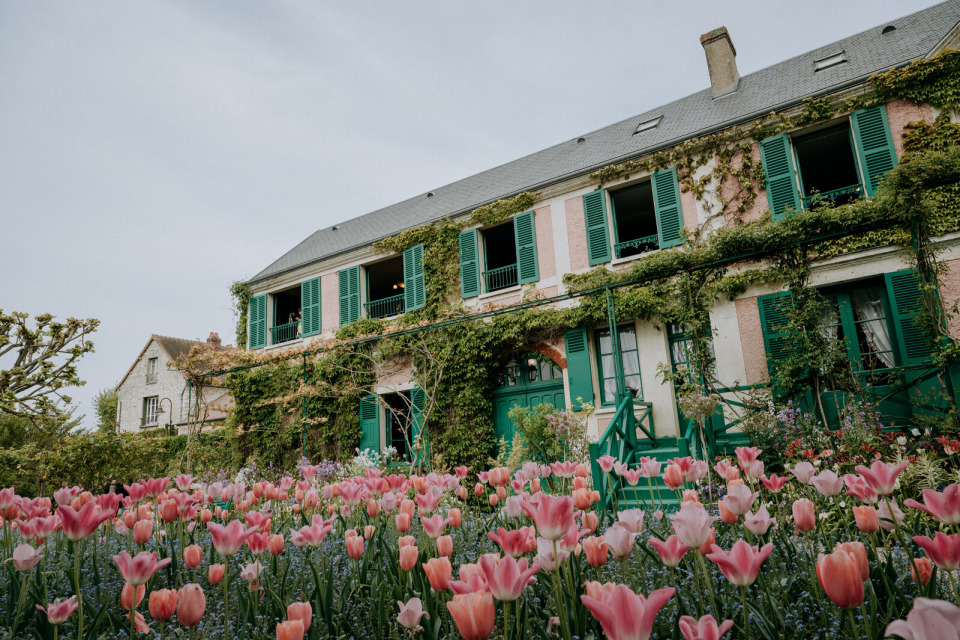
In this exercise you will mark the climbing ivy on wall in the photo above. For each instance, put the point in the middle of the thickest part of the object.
(240, 292)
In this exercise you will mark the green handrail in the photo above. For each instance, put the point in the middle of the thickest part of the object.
(385, 307)
(500, 278)
(284, 332)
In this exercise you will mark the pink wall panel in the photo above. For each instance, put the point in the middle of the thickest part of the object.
(751, 340)
(329, 302)
(546, 258)
(576, 234)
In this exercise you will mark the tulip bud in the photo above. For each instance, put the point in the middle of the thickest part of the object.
(478, 490)
(462, 493)
(924, 567)
(406, 541)
(867, 518)
(803, 515)
(275, 546)
(403, 522)
(301, 611)
(501, 492)
(727, 516)
(206, 516)
(215, 573)
(127, 596)
(163, 603)
(142, 531)
(354, 547)
(129, 518)
(192, 604)
(192, 556)
(445, 546)
(368, 531)
(456, 519)
(408, 557)
(579, 483)
(373, 508)
(493, 500)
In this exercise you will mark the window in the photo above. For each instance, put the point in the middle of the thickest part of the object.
(385, 288)
(499, 257)
(829, 61)
(680, 340)
(529, 369)
(646, 125)
(149, 411)
(398, 423)
(287, 316)
(634, 220)
(151, 370)
(186, 400)
(631, 363)
(827, 166)
(859, 316)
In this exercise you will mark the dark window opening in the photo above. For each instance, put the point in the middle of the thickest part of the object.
(634, 220)
(385, 288)
(499, 257)
(286, 316)
(828, 168)
(398, 422)
(530, 368)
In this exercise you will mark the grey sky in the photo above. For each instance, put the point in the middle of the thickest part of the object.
(153, 152)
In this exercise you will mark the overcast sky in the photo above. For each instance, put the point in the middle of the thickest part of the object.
(151, 153)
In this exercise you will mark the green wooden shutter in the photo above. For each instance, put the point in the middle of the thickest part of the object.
(595, 218)
(773, 320)
(469, 264)
(579, 369)
(414, 288)
(666, 202)
(258, 322)
(871, 132)
(418, 428)
(310, 306)
(777, 158)
(369, 423)
(905, 301)
(349, 295)
(525, 233)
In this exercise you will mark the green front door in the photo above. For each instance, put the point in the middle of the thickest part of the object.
(526, 382)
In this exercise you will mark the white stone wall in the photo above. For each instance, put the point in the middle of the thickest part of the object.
(135, 388)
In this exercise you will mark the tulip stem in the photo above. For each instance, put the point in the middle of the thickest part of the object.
(746, 614)
(706, 578)
(953, 586)
(133, 618)
(506, 620)
(226, 599)
(853, 621)
(76, 578)
(24, 587)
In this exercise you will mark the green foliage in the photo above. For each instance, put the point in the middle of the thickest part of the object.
(935, 80)
(240, 292)
(545, 434)
(105, 408)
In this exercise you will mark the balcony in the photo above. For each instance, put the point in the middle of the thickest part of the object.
(836, 197)
(634, 247)
(385, 307)
(500, 278)
(284, 332)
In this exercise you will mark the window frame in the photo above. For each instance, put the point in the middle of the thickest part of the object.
(623, 352)
(148, 420)
(853, 152)
(848, 322)
(152, 370)
(482, 239)
(609, 193)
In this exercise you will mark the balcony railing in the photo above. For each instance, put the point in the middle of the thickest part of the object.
(500, 278)
(639, 243)
(855, 191)
(284, 332)
(385, 307)
(151, 378)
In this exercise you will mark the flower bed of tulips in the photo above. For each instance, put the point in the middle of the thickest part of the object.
(810, 555)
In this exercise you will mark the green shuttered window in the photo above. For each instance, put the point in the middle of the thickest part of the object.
(525, 232)
(875, 150)
(579, 369)
(258, 322)
(469, 264)
(414, 288)
(349, 295)
(773, 321)
(418, 428)
(666, 201)
(369, 423)
(777, 158)
(310, 304)
(905, 300)
(595, 219)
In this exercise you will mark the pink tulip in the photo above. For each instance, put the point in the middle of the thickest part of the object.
(945, 507)
(803, 515)
(228, 539)
(632, 520)
(183, 481)
(858, 488)
(251, 571)
(747, 455)
(774, 483)
(136, 491)
(507, 577)
(606, 464)
(156, 486)
(80, 525)
(513, 542)
(741, 564)
(671, 550)
(302, 611)
(139, 569)
(620, 540)
(553, 516)
(758, 523)
(928, 620)
(625, 615)
(8, 498)
(25, 557)
(739, 499)
(650, 468)
(890, 515)
(803, 471)
(474, 614)
(693, 525)
(881, 476)
(943, 549)
(192, 605)
(310, 536)
(827, 483)
(59, 611)
(434, 525)
(549, 561)
(632, 476)
(411, 612)
(706, 628)
(697, 471)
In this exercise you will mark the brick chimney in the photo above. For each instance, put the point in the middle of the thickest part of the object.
(214, 340)
(721, 61)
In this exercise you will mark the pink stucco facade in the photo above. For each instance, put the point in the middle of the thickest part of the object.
(751, 340)
(899, 113)
(950, 292)
(546, 257)
(688, 205)
(728, 189)
(576, 234)
(329, 302)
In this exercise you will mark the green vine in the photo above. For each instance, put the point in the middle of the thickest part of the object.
(240, 292)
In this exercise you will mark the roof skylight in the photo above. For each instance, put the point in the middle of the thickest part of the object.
(829, 61)
(648, 124)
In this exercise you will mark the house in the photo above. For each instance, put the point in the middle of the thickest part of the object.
(593, 208)
(153, 394)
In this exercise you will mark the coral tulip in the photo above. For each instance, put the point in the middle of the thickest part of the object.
(163, 603)
(726, 515)
(553, 515)
(354, 547)
(59, 611)
(706, 628)
(290, 630)
(406, 541)
(403, 522)
(493, 499)
(140, 568)
(859, 553)
(192, 605)
(215, 573)
(596, 549)
(408, 557)
(132, 595)
(923, 566)
(928, 620)
(445, 546)
(507, 577)
(474, 615)
(945, 507)
(625, 615)
(803, 515)
(439, 572)
(671, 550)
(741, 564)
(142, 531)
(673, 476)
(275, 546)
(410, 613)
(302, 611)
(455, 518)
(943, 550)
(839, 575)
(867, 518)
(192, 556)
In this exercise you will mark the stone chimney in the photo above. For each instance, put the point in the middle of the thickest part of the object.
(214, 340)
(721, 61)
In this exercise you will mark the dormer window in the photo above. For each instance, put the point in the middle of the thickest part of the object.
(646, 125)
(829, 61)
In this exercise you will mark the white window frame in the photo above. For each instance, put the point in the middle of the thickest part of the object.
(151, 414)
(152, 370)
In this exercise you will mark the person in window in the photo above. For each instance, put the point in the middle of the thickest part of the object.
(297, 319)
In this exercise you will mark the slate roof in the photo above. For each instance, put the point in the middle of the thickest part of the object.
(770, 89)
